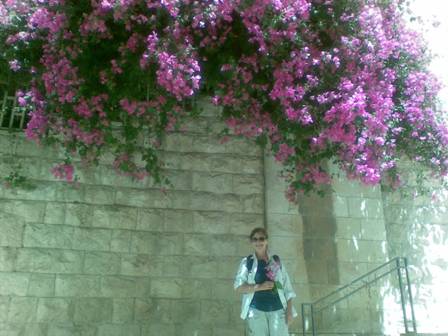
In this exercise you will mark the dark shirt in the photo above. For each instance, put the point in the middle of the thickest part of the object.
(266, 300)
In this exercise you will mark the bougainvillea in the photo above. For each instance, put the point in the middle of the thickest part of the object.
(317, 80)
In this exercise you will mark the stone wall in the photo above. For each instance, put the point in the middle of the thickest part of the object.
(109, 256)
(417, 228)
(343, 238)
(112, 257)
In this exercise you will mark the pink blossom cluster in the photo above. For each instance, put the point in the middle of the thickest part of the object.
(317, 79)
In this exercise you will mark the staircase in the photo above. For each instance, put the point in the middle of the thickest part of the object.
(378, 303)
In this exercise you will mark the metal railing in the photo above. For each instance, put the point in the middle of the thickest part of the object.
(397, 266)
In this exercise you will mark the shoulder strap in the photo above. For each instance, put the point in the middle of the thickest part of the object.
(277, 259)
(249, 262)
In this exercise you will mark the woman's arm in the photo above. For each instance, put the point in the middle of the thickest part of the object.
(247, 288)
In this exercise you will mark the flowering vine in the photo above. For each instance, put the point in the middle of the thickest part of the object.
(318, 80)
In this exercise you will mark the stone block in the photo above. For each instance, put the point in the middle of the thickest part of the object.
(93, 310)
(204, 201)
(178, 221)
(247, 184)
(4, 307)
(51, 236)
(54, 213)
(42, 285)
(55, 310)
(133, 197)
(23, 329)
(14, 284)
(344, 187)
(201, 267)
(195, 125)
(181, 179)
(244, 223)
(365, 208)
(120, 241)
(217, 163)
(319, 248)
(196, 328)
(348, 228)
(157, 328)
(65, 192)
(78, 215)
(91, 239)
(115, 217)
(119, 330)
(373, 229)
(177, 142)
(172, 266)
(215, 311)
(244, 246)
(206, 144)
(197, 244)
(154, 310)
(317, 271)
(174, 160)
(22, 310)
(77, 285)
(340, 206)
(348, 271)
(185, 310)
(120, 286)
(123, 310)
(248, 165)
(223, 245)
(223, 291)
(177, 199)
(141, 265)
(217, 183)
(101, 263)
(239, 145)
(211, 222)
(72, 330)
(8, 256)
(166, 288)
(197, 289)
(41, 260)
(144, 242)
(170, 244)
(252, 204)
(279, 224)
(284, 246)
(28, 211)
(99, 195)
(373, 251)
(150, 220)
(11, 227)
(227, 267)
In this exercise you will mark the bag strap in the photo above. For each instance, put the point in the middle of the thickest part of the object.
(277, 260)
(249, 262)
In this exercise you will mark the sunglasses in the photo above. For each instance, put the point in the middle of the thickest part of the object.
(261, 239)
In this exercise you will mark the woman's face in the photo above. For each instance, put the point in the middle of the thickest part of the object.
(259, 242)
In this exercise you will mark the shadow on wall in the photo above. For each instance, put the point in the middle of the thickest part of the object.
(319, 244)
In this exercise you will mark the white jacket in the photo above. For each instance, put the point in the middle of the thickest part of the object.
(244, 276)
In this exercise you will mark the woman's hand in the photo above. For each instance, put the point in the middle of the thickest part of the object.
(267, 285)
(288, 316)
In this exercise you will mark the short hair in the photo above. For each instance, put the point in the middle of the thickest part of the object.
(258, 230)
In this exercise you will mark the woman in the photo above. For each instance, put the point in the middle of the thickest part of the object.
(266, 288)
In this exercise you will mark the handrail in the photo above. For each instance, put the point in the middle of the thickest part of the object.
(398, 264)
(354, 281)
